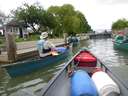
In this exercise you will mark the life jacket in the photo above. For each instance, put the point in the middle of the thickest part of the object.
(40, 45)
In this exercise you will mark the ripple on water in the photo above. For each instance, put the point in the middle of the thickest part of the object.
(102, 48)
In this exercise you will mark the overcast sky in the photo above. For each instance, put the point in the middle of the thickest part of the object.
(99, 13)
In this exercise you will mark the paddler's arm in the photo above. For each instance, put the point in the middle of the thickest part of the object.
(53, 49)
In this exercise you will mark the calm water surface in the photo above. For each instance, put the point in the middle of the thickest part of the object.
(103, 49)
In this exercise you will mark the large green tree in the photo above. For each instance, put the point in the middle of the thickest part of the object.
(54, 10)
(35, 17)
(84, 26)
(68, 20)
(120, 24)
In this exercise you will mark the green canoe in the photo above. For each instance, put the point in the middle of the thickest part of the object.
(121, 42)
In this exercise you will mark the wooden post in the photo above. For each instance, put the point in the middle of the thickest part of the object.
(11, 46)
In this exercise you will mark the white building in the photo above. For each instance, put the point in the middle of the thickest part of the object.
(18, 28)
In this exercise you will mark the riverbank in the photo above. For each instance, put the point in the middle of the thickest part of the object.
(27, 50)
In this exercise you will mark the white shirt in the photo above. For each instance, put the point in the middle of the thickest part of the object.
(40, 45)
(48, 45)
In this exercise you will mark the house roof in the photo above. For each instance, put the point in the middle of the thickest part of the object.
(15, 23)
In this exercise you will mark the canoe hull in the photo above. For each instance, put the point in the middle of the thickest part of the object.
(64, 86)
(120, 42)
(121, 46)
(26, 67)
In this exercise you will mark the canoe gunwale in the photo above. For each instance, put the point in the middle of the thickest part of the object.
(20, 62)
(51, 82)
(27, 66)
(101, 64)
(56, 76)
(37, 58)
(30, 60)
(107, 70)
(113, 76)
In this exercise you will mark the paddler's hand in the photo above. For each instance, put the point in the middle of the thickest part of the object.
(54, 52)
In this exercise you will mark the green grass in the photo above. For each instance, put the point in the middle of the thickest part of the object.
(33, 37)
(2, 39)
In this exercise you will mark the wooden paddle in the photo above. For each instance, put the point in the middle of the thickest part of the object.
(54, 53)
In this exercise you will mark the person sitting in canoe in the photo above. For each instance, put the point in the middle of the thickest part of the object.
(44, 45)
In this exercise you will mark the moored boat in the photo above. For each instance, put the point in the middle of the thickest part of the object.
(28, 66)
(121, 42)
(90, 79)
(74, 40)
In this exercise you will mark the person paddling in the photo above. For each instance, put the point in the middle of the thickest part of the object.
(47, 46)
(44, 45)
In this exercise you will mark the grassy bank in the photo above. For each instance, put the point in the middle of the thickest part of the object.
(29, 38)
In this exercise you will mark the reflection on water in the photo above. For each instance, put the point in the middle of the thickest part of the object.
(34, 81)
(103, 49)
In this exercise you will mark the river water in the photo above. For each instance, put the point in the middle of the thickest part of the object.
(102, 48)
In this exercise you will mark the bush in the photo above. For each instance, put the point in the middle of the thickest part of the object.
(34, 37)
(31, 37)
(1, 41)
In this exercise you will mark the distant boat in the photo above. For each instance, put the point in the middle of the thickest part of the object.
(121, 42)
(28, 66)
(73, 39)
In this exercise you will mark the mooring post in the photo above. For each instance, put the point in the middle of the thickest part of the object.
(11, 46)
(65, 37)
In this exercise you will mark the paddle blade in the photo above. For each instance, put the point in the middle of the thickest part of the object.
(54, 53)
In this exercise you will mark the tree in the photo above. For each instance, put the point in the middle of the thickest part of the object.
(84, 26)
(70, 23)
(2, 18)
(55, 10)
(68, 20)
(2, 22)
(48, 20)
(120, 24)
(35, 17)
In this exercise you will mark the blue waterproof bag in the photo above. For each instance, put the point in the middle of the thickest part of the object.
(82, 84)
